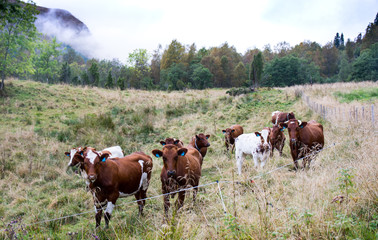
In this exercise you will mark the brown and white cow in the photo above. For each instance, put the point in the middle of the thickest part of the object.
(278, 117)
(173, 141)
(182, 169)
(277, 138)
(200, 143)
(76, 156)
(230, 134)
(111, 178)
(305, 137)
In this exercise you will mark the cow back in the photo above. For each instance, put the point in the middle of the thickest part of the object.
(127, 173)
(311, 134)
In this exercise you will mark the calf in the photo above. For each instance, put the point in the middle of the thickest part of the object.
(255, 144)
(173, 141)
(182, 169)
(278, 117)
(200, 143)
(305, 137)
(230, 134)
(111, 178)
(277, 138)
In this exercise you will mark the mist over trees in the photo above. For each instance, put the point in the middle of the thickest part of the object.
(27, 54)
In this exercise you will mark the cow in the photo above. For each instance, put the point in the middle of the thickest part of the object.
(173, 141)
(200, 143)
(278, 117)
(111, 178)
(230, 134)
(305, 138)
(277, 138)
(77, 157)
(181, 170)
(255, 144)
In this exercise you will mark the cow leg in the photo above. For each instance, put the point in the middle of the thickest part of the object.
(233, 147)
(141, 195)
(239, 160)
(255, 160)
(180, 200)
(226, 146)
(108, 212)
(98, 217)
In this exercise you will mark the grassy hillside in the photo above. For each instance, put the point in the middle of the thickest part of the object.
(40, 122)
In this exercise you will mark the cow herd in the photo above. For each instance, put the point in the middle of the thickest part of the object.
(110, 175)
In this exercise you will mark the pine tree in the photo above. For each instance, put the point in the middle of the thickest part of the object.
(342, 45)
(109, 80)
(257, 69)
(336, 41)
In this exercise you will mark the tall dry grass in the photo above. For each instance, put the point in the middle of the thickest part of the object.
(283, 204)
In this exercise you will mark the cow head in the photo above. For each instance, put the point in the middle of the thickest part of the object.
(265, 138)
(290, 116)
(275, 133)
(202, 141)
(293, 127)
(93, 162)
(228, 134)
(173, 141)
(171, 155)
(76, 156)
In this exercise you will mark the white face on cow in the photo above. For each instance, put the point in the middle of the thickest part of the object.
(265, 135)
(91, 156)
(72, 154)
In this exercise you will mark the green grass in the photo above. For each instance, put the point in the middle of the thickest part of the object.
(40, 122)
(364, 94)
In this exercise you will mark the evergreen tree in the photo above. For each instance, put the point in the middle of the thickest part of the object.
(121, 83)
(336, 41)
(342, 45)
(94, 75)
(257, 67)
(65, 73)
(109, 80)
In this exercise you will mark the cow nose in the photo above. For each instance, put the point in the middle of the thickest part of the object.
(208, 145)
(171, 173)
(292, 140)
(92, 178)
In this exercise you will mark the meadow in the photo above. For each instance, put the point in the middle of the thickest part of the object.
(40, 200)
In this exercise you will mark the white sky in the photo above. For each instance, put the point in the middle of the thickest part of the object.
(121, 26)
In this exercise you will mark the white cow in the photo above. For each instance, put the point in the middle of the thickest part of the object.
(256, 144)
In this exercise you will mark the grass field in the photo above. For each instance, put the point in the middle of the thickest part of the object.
(40, 122)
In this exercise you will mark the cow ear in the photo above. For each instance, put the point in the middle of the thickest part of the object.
(223, 131)
(176, 141)
(233, 130)
(104, 156)
(303, 124)
(207, 136)
(258, 134)
(67, 154)
(157, 153)
(198, 138)
(162, 143)
(182, 151)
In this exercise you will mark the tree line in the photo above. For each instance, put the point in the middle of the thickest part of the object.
(25, 53)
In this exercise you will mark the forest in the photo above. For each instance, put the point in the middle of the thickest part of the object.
(28, 54)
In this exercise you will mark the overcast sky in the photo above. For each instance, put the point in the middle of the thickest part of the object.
(120, 26)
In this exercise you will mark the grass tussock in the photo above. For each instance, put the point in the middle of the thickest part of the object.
(335, 199)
